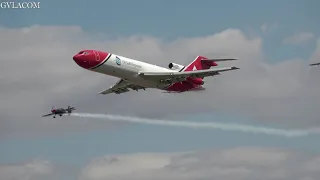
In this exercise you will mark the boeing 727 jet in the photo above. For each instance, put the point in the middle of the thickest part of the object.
(137, 75)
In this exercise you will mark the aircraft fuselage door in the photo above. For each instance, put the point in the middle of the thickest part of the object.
(97, 55)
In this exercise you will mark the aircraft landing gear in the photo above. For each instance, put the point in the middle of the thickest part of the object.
(54, 117)
(60, 114)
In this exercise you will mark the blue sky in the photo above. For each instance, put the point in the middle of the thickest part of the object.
(174, 19)
(167, 20)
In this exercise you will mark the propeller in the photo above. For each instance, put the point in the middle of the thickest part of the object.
(69, 109)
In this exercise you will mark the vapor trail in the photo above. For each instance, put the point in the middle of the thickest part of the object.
(209, 125)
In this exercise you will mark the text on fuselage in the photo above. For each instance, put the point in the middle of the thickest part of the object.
(121, 61)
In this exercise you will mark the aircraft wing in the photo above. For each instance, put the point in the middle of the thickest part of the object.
(171, 77)
(314, 64)
(47, 115)
(122, 86)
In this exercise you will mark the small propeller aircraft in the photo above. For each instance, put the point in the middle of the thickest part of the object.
(60, 111)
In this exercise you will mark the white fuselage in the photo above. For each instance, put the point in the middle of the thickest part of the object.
(128, 69)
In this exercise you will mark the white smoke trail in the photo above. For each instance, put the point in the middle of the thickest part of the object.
(209, 125)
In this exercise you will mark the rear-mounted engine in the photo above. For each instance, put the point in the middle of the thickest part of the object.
(175, 66)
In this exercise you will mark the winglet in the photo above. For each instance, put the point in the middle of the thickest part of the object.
(221, 59)
(105, 91)
(313, 64)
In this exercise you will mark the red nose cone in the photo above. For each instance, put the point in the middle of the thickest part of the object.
(90, 58)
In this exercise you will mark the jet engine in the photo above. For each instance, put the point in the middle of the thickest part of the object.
(197, 81)
(175, 66)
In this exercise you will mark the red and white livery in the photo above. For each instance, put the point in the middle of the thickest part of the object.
(138, 75)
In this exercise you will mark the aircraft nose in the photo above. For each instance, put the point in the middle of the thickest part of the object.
(83, 60)
(89, 58)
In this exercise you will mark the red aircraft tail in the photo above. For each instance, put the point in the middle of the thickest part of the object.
(200, 63)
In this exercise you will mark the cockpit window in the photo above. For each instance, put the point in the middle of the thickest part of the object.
(83, 52)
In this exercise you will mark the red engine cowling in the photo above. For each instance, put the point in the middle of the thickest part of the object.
(197, 81)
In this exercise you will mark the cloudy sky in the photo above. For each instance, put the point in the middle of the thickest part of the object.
(275, 87)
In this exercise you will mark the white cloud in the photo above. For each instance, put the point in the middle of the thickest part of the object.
(313, 165)
(240, 163)
(38, 71)
(126, 164)
(247, 163)
(37, 169)
(299, 38)
(253, 156)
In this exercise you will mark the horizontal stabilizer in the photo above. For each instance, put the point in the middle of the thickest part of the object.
(217, 60)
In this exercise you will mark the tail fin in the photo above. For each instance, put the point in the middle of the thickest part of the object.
(198, 64)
